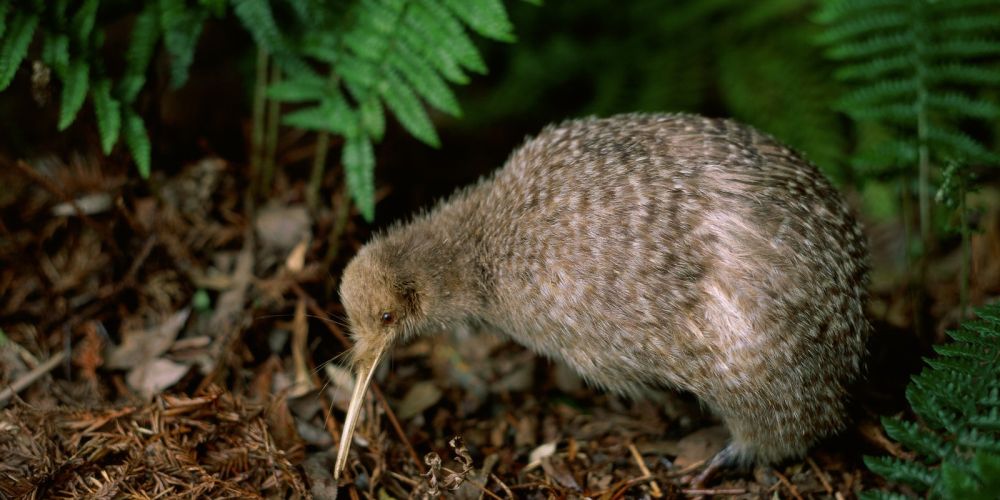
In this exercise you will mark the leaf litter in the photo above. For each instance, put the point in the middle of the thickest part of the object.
(181, 346)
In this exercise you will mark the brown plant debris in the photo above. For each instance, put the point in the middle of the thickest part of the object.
(213, 445)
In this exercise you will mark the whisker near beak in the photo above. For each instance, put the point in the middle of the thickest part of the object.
(363, 379)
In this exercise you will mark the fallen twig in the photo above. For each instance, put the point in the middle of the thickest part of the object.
(29, 378)
(821, 475)
(714, 491)
(655, 488)
(788, 484)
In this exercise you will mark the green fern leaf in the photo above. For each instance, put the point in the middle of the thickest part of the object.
(181, 30)
(55, 52)
(979, 441)
(953, 48)
(82, 23)
(989, 422)
(953, 103)
(962, 73)
(258, 19)
(961, 144)
(425, 80)
(894, 469)
(835, 11)
(876, 68)
(299, 89)
(330, 115)
(359, 168)
(486, 17)
(442, 39)
(407, 108)
(372, 118)
(890, 113)
(360, 77)
(877, 22)
(74, 91)
(4, 10)
(145, 34)
(966, 24)
(138, 142)
(882, 495)
(915, 437)
(879, 92)
(108, 113)
(15, 45)
(883, 45)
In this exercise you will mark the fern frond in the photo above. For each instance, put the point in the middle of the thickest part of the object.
(358, 158)
(108, 113)
(15, 45)
(890, 113)
(138, 142)
(966, 24)
(330, 115)
(428, 32)
(4, 10)
(964, 73)
(962, 144)
(145, 34)
(877, 22)
(972, 47)
(82, 23)
(424, 79)
(181, 30)
(882, 495)
(55, 52)
(486, 17)
(407, 108)
(871, 47)
(258, 19)
(915, 437)
(917, 475)
(76, 81)
(876, 68)
(833, 11)
(879, 92)
(372, 117)
(299, 90)
(958, 401)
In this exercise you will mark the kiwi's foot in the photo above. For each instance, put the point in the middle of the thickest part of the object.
(732, 457)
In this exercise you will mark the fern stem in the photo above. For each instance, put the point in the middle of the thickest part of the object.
(341, 201)
(964, 273)
(257, 135)
(923, 152)
(271, 134)
(318, 167)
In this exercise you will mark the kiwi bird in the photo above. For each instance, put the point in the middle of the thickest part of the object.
(644, 251)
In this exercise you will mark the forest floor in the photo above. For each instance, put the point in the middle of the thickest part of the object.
(170, 341)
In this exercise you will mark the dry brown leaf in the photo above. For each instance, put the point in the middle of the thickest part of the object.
(281, 228)
(152, 377)
(700, 445)
(139, 347)
(420, 397)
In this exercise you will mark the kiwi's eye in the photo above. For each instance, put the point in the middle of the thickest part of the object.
(388, 318)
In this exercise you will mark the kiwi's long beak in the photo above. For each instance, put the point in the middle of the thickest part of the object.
(363, 379)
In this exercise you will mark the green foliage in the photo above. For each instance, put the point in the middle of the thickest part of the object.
(957, 442)
(753, 61)
(72, 39)
(381, 54)
(344, 65)
(917, 68)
